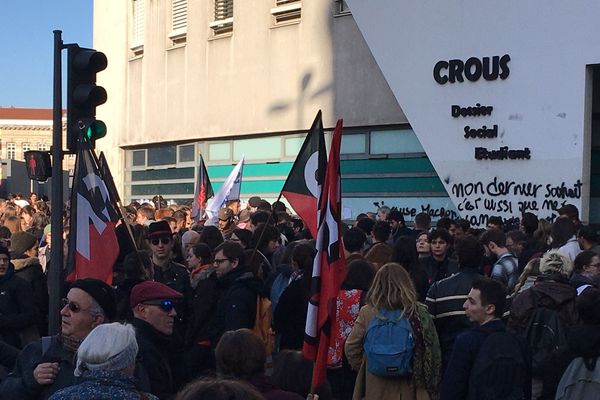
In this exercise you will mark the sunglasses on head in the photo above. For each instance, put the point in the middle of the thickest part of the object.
(73, 307)
(165, 305)
(163, 240)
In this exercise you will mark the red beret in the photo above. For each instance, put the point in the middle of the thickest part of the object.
(150, 290)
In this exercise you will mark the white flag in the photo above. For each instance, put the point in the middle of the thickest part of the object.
(230, 190)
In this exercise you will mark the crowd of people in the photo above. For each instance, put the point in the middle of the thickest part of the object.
(444, 312)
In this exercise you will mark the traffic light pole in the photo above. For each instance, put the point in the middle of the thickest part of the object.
(55, 271)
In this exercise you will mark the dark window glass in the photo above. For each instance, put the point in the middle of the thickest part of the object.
(186, 153)
(138, 158)
(162, 155)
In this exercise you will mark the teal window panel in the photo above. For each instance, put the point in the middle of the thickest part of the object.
(293, 146)
(254, 187)
(394, 142)
(219, 151)
(275, 169)
(162, 174)
(367, 185)
(389, 165)
(257, 148)
(162, 188)
(354, 144)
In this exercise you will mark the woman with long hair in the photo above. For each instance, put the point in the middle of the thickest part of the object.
(392, 290)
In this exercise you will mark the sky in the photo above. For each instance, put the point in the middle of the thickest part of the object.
(27, 46)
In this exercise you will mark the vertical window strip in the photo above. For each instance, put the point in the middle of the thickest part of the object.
(223, 9)
(179, 11)
(138, 22)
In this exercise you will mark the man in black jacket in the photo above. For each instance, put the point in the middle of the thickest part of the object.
(238, 288)
(465, 376)
(47, 365)
(153, 306)
(445, 298)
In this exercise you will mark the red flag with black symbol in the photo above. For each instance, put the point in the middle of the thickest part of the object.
(302, 187)
(329, 268)
(202, 192)
(92, 244)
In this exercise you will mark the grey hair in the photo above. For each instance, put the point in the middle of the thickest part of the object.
(109, 347)
(95, 309)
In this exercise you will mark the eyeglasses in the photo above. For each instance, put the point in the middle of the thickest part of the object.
(164, 240)
(220, 261)
(165, 305)
(73, 307)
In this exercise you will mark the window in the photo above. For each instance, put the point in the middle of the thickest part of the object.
(186, 153)
(257, 148)
(223, 22)
(353, 144)
(287, 10)
(137, 35)
(219, 151)
(138, 158)
(165, 155)
(42, 147)
(395, 142)
(26, 147)
(11, 151)
(178, 21)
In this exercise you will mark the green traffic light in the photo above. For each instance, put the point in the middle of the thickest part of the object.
(96, 130)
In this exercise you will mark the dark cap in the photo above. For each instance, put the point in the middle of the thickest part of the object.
(254, 201)
(569, 210)
(225, 213)
(150, 290)
(20, 242)
(101, 292)
(159, 229)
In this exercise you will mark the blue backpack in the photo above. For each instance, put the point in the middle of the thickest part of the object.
(389, 344)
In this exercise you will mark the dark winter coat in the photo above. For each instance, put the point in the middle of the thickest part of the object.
(438, 270)
(455, 384)
(204, 302)
(30, 269)
(20, 383)
(176, 277)
(553, 293)
(236, 308)
(289, 317)
(17, 310)
(156, 359)
(103, 385)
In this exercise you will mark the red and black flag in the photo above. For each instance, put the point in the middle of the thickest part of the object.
(302, 187)
(202, 192)
(93, 246)
(110, 183)
(329, 268)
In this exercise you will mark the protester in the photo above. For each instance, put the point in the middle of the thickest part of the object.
(240, 354)
(487, 362)
(506, 267)
(219, 389)
(586, 270)
(105, 365)
(439, 265)
(392, 292)
(154, 319)
(445, 298)
(380, 252)
(46, 365)
(406, 255)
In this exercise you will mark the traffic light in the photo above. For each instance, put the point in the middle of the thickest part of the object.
(39, 167)
(83, 95)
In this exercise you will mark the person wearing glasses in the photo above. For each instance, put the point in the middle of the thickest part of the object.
(237, 287)
(47, 364)
(168, 272)
(586, 271)
(153, 306)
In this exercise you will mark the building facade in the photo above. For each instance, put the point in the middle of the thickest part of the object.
(226, 79)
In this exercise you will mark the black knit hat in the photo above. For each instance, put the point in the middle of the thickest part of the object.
(101, 292)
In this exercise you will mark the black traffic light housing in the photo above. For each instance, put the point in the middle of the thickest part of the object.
(83, 95)
(39, 167)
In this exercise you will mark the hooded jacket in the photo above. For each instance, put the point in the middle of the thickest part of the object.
(552, 292)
